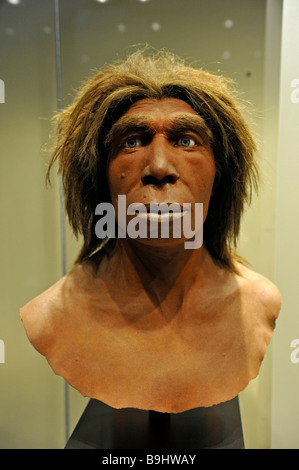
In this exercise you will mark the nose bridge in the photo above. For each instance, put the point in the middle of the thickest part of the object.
(160, 156)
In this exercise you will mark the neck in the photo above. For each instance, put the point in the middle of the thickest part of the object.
(159, 271)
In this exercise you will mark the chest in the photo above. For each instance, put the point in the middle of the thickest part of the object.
(138, 357)
(151, 344)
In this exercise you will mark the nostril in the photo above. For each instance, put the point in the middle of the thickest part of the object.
(169, 179)
(151, 179)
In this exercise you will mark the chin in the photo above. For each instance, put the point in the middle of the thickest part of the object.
(159, 242)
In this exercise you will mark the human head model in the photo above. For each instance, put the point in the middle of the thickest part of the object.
(151, 325)
(83, 144)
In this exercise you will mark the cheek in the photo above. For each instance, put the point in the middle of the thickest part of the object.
(115, 176)
(204, 179)
(119, 177)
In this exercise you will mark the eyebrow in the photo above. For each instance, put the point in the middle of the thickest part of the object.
(140, 123)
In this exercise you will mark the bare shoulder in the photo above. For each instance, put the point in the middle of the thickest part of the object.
(38, 316)
(261, 288)
(54, 308)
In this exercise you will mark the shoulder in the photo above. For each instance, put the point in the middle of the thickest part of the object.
(38, 316)
(42, 315)
(260, 289)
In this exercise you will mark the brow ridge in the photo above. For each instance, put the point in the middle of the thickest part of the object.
(139, 122)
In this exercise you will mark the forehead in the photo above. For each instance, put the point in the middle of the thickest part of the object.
(166, 108)
(170, 115)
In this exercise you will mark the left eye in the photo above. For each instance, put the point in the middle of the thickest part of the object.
(132, 142)
(186, 141)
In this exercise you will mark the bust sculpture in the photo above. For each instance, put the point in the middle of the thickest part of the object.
(145, 322)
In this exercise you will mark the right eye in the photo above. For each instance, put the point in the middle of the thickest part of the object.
(186, 141)
(132, 142)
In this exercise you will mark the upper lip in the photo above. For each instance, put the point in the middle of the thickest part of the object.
(163, 206)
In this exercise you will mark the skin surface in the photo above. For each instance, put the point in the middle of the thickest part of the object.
(169, 162)
(156, 326)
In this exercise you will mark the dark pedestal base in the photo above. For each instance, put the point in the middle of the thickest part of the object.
(103, 427)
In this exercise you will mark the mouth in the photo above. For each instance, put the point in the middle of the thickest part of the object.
(160, 212)
(163, 207)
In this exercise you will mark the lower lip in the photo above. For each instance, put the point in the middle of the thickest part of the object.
(168, 216)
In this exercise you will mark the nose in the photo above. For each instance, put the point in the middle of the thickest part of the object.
(159, 169)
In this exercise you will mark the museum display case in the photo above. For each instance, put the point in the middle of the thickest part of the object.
(47, 50)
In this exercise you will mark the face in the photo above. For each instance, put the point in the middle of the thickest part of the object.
(161, 153)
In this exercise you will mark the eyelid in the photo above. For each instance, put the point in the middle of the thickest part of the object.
(198, 139)
(126, 140)
(188, 137)
(143, 134)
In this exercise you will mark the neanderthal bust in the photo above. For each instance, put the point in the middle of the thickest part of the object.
(143, 322)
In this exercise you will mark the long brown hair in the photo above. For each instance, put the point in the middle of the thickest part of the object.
(82, 153)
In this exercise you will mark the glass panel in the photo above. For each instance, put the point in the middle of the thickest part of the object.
(32, 401)
(225, 36)
(285, 402)
(222, 36)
